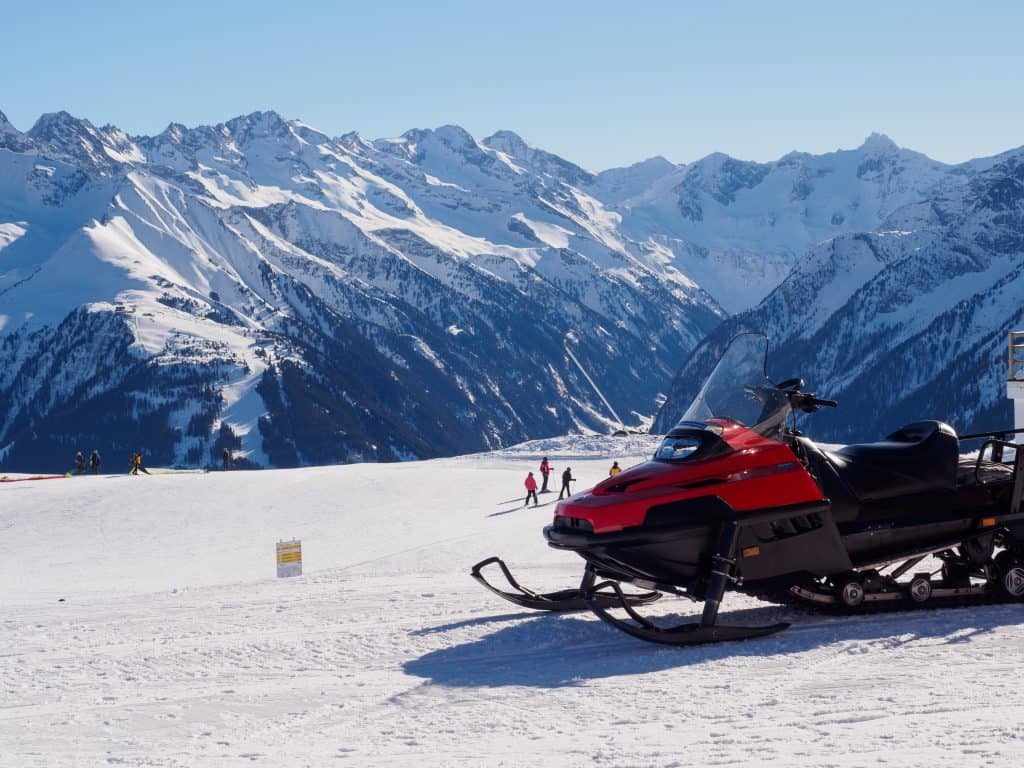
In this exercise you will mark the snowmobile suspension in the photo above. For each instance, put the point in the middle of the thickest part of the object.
(707, 630)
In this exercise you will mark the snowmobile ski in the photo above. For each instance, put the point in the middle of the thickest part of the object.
(562, 600)
(692, 633)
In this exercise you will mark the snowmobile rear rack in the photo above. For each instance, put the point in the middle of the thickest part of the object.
(997, 433)
(562, 600)
(997, 446)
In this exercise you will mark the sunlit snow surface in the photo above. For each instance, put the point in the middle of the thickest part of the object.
(142, 625)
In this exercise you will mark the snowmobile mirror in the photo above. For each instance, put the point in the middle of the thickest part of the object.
(795, 384)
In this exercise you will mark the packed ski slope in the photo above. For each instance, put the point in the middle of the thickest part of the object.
(142, 625)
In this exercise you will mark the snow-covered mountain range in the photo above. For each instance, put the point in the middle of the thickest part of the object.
(904, 322)
(307, 299)
(303, 298)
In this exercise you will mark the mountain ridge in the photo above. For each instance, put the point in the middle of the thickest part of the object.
(238, 271)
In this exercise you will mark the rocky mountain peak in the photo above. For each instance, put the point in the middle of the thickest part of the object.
(509, 142)
(455, 136)
(513, 145)
(879, 144)
(78, 140)
(60, 127)
(259, 124)
(10, 137)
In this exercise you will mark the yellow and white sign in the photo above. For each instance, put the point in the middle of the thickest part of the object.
(289, 558)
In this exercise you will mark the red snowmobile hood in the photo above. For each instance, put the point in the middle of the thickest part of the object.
(757, 473)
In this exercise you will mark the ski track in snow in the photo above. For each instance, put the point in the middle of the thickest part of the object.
(175, 646)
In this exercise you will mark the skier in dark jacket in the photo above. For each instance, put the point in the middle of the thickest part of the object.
(79, 463)
(94, 462)
(566, 479)
(545, 471)
(225, 457)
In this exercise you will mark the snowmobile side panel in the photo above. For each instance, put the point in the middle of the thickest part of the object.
(672, 546)
(805, 542)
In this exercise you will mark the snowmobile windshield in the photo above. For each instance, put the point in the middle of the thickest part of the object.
(739, 389)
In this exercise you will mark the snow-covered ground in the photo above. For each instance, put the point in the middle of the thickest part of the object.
(142, 625)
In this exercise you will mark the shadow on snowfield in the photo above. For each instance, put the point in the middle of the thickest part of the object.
(548, 651)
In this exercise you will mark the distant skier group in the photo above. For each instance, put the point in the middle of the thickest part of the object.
(134, 463)
(93, 465)
(545, 470)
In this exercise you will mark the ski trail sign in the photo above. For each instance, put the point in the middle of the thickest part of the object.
(289, 558)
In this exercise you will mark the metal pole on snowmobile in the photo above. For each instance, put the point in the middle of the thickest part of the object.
(1015, 380)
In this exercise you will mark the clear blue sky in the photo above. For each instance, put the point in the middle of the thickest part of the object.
(601, 83)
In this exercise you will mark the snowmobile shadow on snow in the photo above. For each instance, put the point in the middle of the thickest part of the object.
(473, 623)
(553, 651)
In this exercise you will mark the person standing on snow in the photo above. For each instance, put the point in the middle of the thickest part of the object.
(615, 469)
(94, 462)
(566, 479)
(136, 466)
(531, 489)
(545, 471)
(79, 463)
(226, 458)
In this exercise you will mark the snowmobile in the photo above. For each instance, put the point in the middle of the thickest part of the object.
(736, 497)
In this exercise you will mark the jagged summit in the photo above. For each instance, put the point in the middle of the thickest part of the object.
(59, 126)
(522, 153)
(879, 143)
(657, 163)
(260, 120)
(76, 139)
(11, 138)
(455, 134)
(509, 142)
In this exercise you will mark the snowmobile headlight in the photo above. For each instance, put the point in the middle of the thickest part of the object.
(573, 524)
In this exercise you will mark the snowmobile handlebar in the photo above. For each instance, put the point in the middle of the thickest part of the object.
(808, 402)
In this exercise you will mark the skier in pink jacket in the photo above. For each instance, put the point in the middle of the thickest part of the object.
(531, 489)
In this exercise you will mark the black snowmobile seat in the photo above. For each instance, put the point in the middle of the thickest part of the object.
(923, 456)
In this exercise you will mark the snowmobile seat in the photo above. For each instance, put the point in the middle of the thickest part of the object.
(923, 456)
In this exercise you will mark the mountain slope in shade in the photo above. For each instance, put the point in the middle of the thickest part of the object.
(906, 322)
